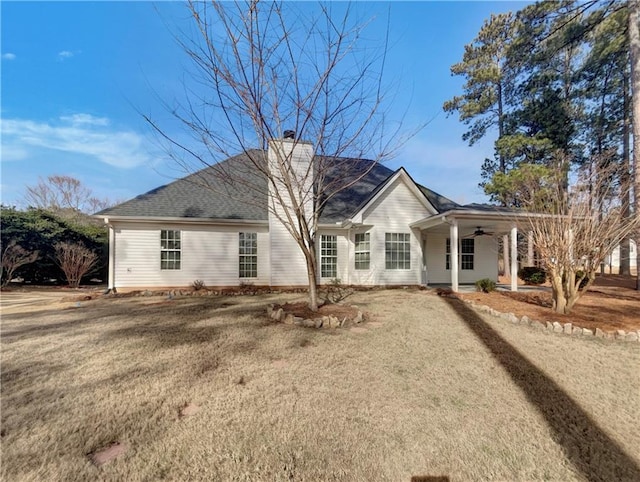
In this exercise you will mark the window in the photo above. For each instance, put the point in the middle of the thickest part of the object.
(363, 251)
(248, 255)
(397, 248)
(328, 256)
(448, 255)
(170, 249)
(467, 250)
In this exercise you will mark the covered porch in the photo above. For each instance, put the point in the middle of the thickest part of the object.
(450, 258)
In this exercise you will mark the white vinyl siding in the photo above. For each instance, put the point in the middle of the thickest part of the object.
(248, 255)
(397, 251)
(362, 252)
(170, 249)
(328, 256)
(391, 213)
(209, 253)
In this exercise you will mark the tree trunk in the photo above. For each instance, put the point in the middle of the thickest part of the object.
(558, 297)
(634, 42)
(313, 282)
(625, 246)
(506, 267)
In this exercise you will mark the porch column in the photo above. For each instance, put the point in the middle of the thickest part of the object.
(453, 258)
(514, 258)
(530, 260)
(112, 259)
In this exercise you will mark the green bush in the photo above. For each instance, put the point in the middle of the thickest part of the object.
(532, 275)
(40, 230)
(485, 285)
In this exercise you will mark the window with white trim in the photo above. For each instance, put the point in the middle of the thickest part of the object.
(362, 251)
(328, 256)
(248, 255)
(397, 250)
(467, 250)
(170, 249)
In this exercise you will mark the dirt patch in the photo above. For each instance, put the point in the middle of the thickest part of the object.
(611, 304)
(301, 309)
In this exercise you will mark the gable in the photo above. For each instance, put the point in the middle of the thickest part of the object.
(397, 202)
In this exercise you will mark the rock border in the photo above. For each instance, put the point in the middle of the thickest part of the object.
(557, 327)
(325, 321)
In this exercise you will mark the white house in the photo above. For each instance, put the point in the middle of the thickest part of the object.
(385, 229)
(613, 260)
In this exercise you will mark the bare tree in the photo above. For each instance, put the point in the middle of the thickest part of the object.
(64, 195)
(264, 68)
(575, 230)
(75, 260)
(14, 256)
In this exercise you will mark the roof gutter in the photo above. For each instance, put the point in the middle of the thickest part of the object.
(176, 220)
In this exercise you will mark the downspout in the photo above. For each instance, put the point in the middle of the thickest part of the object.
(349, 256)
(111, 286)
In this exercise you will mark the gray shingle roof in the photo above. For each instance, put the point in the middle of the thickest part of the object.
(211, 194)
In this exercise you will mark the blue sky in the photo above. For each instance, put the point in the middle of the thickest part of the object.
(76, 77)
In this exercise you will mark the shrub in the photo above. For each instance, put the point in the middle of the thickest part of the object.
(198, 285)
(532, 275)
(13, 257)
(336, 291)
(75, 260)
(485, 285)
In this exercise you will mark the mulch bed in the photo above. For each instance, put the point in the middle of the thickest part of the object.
(301, 309)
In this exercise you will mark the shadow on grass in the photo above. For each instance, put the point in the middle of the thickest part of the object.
(591, 451)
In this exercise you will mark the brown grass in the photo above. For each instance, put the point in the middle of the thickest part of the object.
(431, 390)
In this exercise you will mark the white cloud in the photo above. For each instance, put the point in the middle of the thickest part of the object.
(8, 56)
(65, 54)
(79, 134)
(85, 119)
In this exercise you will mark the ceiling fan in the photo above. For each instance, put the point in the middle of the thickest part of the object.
(479, 232)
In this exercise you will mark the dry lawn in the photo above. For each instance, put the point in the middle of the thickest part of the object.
(429, 389)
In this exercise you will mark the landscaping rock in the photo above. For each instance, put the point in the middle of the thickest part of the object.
(109, 453)
(538, 326)
(318, 322)
(525, 320)
(557, 327)
(631, 336)
(288, 319)
(599, 333)
(577, 331)
(308, 323)
(359, 318)
(277, 315)
(620, 334)
(189, 409)
(568, 328)
(586, 332)
(334, 322)
(549, 326)
(512, 318)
